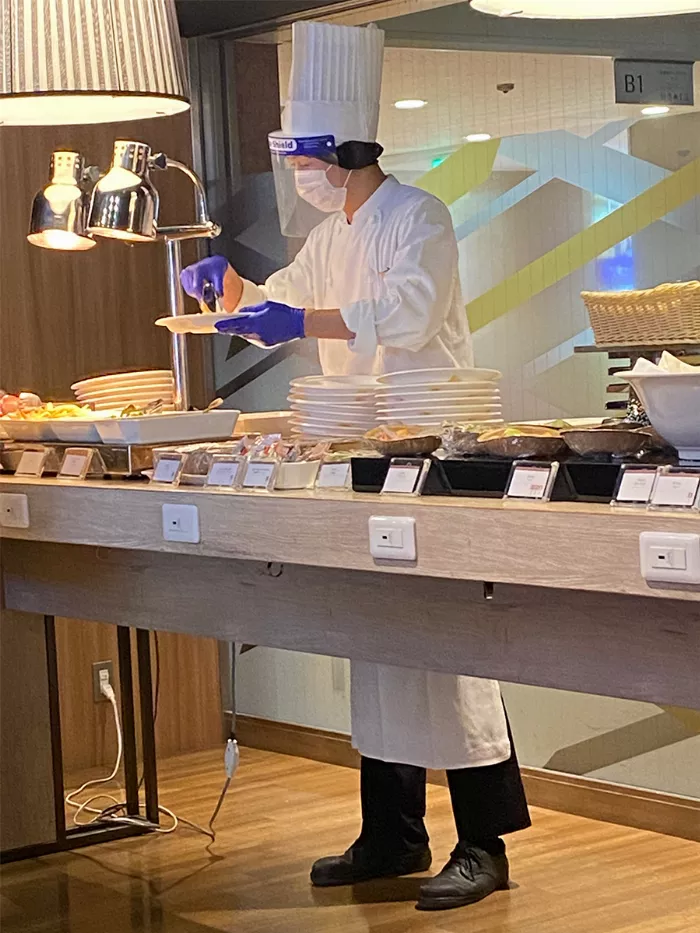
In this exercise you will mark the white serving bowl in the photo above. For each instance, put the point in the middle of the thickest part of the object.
(672, 401)
(299, 475)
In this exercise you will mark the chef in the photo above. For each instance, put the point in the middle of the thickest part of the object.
(377, 283)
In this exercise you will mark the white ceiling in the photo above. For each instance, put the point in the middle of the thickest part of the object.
(552, 92)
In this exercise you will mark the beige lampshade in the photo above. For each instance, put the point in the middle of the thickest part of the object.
(89, 61)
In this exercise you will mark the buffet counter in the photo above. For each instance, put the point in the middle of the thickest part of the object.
(569, 607)
(547, 594)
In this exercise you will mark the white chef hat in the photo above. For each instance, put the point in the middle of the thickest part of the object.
(335, 82)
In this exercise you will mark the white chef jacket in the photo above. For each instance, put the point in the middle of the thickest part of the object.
(393, 274)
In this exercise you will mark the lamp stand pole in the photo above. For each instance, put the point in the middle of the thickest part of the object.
(178, 344)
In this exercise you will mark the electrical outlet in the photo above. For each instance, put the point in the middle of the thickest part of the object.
(101, 670)
(14, 510)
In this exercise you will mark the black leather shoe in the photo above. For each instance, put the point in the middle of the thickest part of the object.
(357, 865)
(470, 875)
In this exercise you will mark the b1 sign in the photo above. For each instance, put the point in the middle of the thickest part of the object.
(640, 82)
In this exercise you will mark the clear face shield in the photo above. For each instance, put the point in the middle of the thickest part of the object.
(309, 183)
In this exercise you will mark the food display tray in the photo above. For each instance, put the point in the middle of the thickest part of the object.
(119, 461)
(577, 480)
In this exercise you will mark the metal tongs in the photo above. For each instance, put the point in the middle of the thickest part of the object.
(210, 299)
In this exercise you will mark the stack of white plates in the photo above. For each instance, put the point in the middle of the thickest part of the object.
(122, 389)
(333, 406)
(431, 396)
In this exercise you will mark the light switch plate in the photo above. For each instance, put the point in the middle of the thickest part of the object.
(392, 537)
(670, 558)
(14, 510)
(181, 523)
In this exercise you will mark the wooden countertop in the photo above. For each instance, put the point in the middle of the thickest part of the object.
(560, 545)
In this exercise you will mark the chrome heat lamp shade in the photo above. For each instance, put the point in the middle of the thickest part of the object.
(124, 202)
(59, 210)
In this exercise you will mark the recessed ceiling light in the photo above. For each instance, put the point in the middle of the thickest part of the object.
(477, 137)
(410, 104)
(655, 111)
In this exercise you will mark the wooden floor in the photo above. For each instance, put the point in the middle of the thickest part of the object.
(570, 875)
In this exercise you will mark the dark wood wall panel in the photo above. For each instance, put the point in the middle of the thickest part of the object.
(67, 315)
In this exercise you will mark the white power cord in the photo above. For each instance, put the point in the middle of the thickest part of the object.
(112, 813)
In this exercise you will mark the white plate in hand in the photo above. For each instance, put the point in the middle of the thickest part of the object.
(193, 323)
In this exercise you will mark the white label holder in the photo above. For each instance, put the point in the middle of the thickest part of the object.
(32, 462)
(259, 474)
(634, 486)
(334, 475)
(168, 469)
(76, 463)
(530, 481)
(676, 489)
(406, 476)
(223, 471)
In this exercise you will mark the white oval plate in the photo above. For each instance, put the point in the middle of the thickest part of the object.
(117, 380)
(483, 397)
(334, 382)
(447, 376)
(436, 423)
(441, 412)
(154, 389)
(193, 323)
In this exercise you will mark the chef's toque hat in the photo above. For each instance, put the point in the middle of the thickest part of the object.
(334, 83)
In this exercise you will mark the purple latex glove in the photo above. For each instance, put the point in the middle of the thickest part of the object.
(269, 324)
(212, 269)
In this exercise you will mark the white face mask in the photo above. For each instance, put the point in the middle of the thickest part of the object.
(313, 186)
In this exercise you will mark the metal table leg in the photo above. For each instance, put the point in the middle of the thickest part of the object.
(148, 735)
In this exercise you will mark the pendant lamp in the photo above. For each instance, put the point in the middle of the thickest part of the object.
(585, 9)
(89, 61)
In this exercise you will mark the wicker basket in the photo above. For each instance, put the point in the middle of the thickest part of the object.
(657, 316)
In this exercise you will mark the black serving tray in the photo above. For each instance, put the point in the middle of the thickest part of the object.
(578, 480)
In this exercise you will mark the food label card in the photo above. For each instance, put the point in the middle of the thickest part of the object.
(223, 472)
(531, 481)
(76, 463)
(406, 476)
(259, 474)
(675, 489)
(635, 485)
(334, 475)
(32, 462)
(168, 469)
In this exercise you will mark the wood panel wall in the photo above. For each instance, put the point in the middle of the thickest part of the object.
(68, 315)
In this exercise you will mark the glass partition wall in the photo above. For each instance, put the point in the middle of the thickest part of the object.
(553, 188)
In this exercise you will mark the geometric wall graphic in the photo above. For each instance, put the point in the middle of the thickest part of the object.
(619, 177)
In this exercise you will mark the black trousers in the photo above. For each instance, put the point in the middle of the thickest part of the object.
(487, 802)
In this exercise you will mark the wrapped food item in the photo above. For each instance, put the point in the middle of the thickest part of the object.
(461, 440)
(403, 440)
(394, 432)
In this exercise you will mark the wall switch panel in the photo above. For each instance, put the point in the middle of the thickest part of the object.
(670, 558)
(392, 538)
(181, 523)
(14, 510)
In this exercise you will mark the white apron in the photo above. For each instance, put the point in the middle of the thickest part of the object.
(393, 273)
